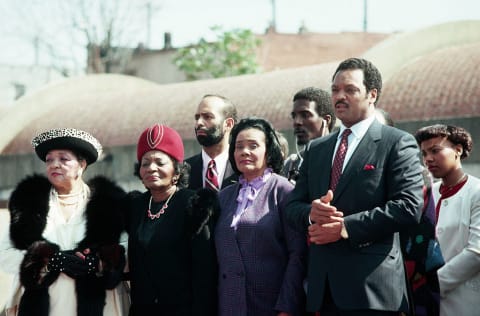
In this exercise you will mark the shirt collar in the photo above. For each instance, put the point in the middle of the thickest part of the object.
(359, 129)
(220, 160)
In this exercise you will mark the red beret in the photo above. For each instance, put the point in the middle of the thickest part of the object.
(163, 138)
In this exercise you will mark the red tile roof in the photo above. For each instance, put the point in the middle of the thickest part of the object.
(443, 84)
(281, 51)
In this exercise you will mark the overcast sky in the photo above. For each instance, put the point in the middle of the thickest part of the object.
(189, 20)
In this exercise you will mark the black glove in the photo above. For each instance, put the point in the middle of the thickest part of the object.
(204, 209)
(112, 256)
(113, 260)
(32, 269)
(69, 263)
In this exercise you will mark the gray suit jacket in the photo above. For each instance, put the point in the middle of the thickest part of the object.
(196, 176)
(380, 193)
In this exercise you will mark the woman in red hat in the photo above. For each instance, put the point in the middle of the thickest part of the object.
(64, 238)
(171, 252)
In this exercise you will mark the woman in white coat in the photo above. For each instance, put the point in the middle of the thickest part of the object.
(63, 244)
(457, 198)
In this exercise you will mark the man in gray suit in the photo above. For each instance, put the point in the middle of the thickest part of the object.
(214, 119)
(355, 192)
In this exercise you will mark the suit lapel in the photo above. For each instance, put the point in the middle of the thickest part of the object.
(229, 177)
(328, 150)
(196, 172)
(359, 158)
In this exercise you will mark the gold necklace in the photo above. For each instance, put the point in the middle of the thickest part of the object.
(162, 209)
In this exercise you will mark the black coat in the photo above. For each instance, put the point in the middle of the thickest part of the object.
(29, 207)
(173, 269)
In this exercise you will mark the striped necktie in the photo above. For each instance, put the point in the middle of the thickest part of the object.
(339, 159)
(211, 177)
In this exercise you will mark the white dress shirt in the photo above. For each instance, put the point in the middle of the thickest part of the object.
(220, 163)
(358, 131)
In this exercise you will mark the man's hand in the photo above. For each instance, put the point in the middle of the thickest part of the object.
(322, 212)
(321, 234)
(327, 221)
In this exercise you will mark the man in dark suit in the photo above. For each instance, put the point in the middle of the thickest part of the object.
(354, 206)
(214, 119)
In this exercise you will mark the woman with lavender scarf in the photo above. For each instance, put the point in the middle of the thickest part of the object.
(261, 259)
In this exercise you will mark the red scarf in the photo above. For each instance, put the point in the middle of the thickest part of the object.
(446, 192)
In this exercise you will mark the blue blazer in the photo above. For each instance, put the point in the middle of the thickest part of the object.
(380, 193)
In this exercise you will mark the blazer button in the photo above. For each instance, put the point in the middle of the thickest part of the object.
(155, 301)
(445, 203)
(224, 276)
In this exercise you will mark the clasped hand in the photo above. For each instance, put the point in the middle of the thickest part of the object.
(73, 263)
(327, 221)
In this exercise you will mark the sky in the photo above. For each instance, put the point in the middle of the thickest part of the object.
(190, 20)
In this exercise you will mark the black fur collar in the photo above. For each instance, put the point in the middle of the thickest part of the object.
(28, 207)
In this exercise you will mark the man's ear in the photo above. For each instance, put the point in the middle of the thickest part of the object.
(328, 118)
(373, 95)
(229, 122)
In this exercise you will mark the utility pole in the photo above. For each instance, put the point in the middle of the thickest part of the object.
(273, 25)
(365, 15)
(149, 23)
(36, 45)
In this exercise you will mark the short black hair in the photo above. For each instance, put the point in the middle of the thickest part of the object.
(456, 135)
(229, 109)
(322, 99)
(372, 79)
(273, 149)
(182, 169)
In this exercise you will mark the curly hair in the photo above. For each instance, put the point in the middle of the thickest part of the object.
(322, 99)
(372, 79)
(273, 148)
(456, 135)
(182, 169)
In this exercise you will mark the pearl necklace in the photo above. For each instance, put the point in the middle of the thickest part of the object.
(161, 211)
(69, 199)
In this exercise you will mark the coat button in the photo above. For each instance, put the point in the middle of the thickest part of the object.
(224, 276)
